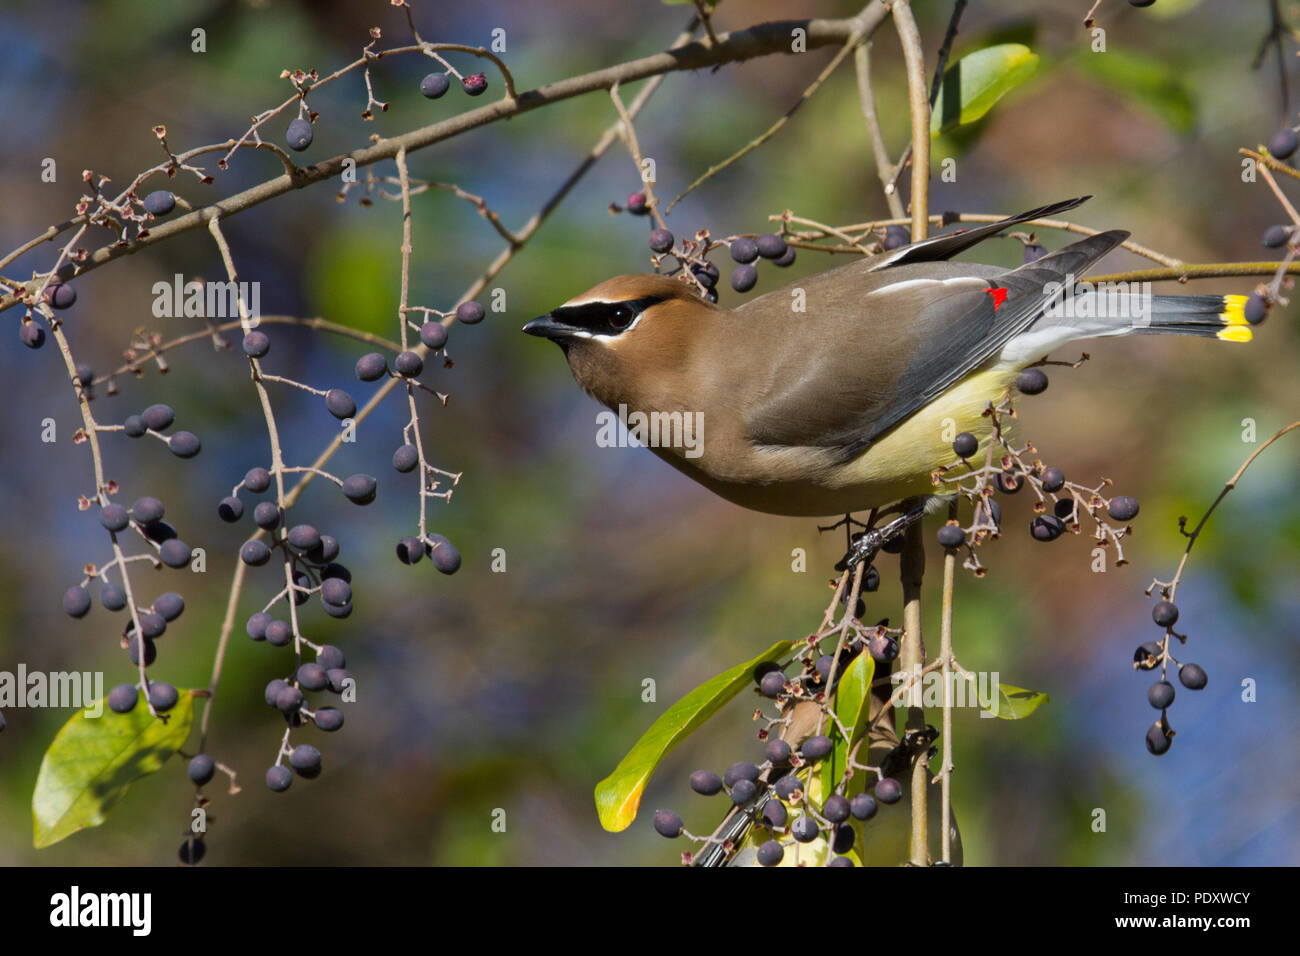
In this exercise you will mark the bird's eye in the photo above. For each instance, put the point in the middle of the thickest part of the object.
(621, 316)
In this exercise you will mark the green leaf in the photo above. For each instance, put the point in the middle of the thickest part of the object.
(619, 795)
(974, 83)
(852, 708)
(94, 760)
(1152, 85)
(1014, 702)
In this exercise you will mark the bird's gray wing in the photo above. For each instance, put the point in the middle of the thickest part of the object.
(949, 244)
(923, 338)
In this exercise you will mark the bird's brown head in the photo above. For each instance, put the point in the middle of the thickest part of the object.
(627, 337)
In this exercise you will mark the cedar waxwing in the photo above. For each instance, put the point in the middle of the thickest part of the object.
(842, 406)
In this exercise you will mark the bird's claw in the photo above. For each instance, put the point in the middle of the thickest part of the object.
(867, 543)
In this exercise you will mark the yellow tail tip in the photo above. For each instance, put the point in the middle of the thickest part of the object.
(1235, 333)
(1234, 313)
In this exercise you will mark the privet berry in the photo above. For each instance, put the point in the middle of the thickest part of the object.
(443, 554)
(311, 676)
(133, 651)
(410, 550)
(303, 537)
(1165, 613)
(433, 335)
(1032, 381)
(883, 648)
(255, 553)
(160, 202)
(863, 806)
(1192, 676)
(158, 417)
(706, 782)
(1275, 236)
(744, 249)
(896, 237)
(772, 684)
(951, 536)
(306, 760)
(744, 278)
(340, 403)
(661, 240)
(184, 444)
(805, 829)
(1008, 482)
(257, 480)
(256, 625)
(435, 85)
(202, 768)
(786, 259)
(1053, 479)
(279, 633)
(816, 747)
(123, 698)
(470, 313)
(230, 509)
(836, 808)
(31, 335)
(256, 343)
(76, 601)
(359, 489)
(298, 135)
(1256, 308)
(636, 204)
(771, 246)
(777, 751)
(770, 853)
(667, 824)
(169, 606)
(787, 787)
(965, 445)
(742, 770)
(474, 84)
(1283, 143)
(1123, 508)
(775, 814)
(112, 596)
(163, 696)
(1046, 528)
(1158, 740)
(406, 458)
(279, 779)
(743, 791)
(174, 553)
(192, 851)
(889, 790)
(328, 719)
(114, 517)
(409, 364)
(62, 296)
(1160, 694)
(371, 367)
(266, 515)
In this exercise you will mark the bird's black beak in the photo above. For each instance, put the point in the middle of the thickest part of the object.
(549, 327)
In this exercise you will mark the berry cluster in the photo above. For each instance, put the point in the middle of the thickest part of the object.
(692, 254)
(793, 798)
(1060, 505)
(1155, 654)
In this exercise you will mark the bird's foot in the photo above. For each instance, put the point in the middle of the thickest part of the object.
(866, 544)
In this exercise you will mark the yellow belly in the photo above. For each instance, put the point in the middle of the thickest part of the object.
(896, 466)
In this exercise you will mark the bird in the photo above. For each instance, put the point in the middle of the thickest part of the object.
(841, 391)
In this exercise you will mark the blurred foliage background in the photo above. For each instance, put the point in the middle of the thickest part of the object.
(521, 690)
